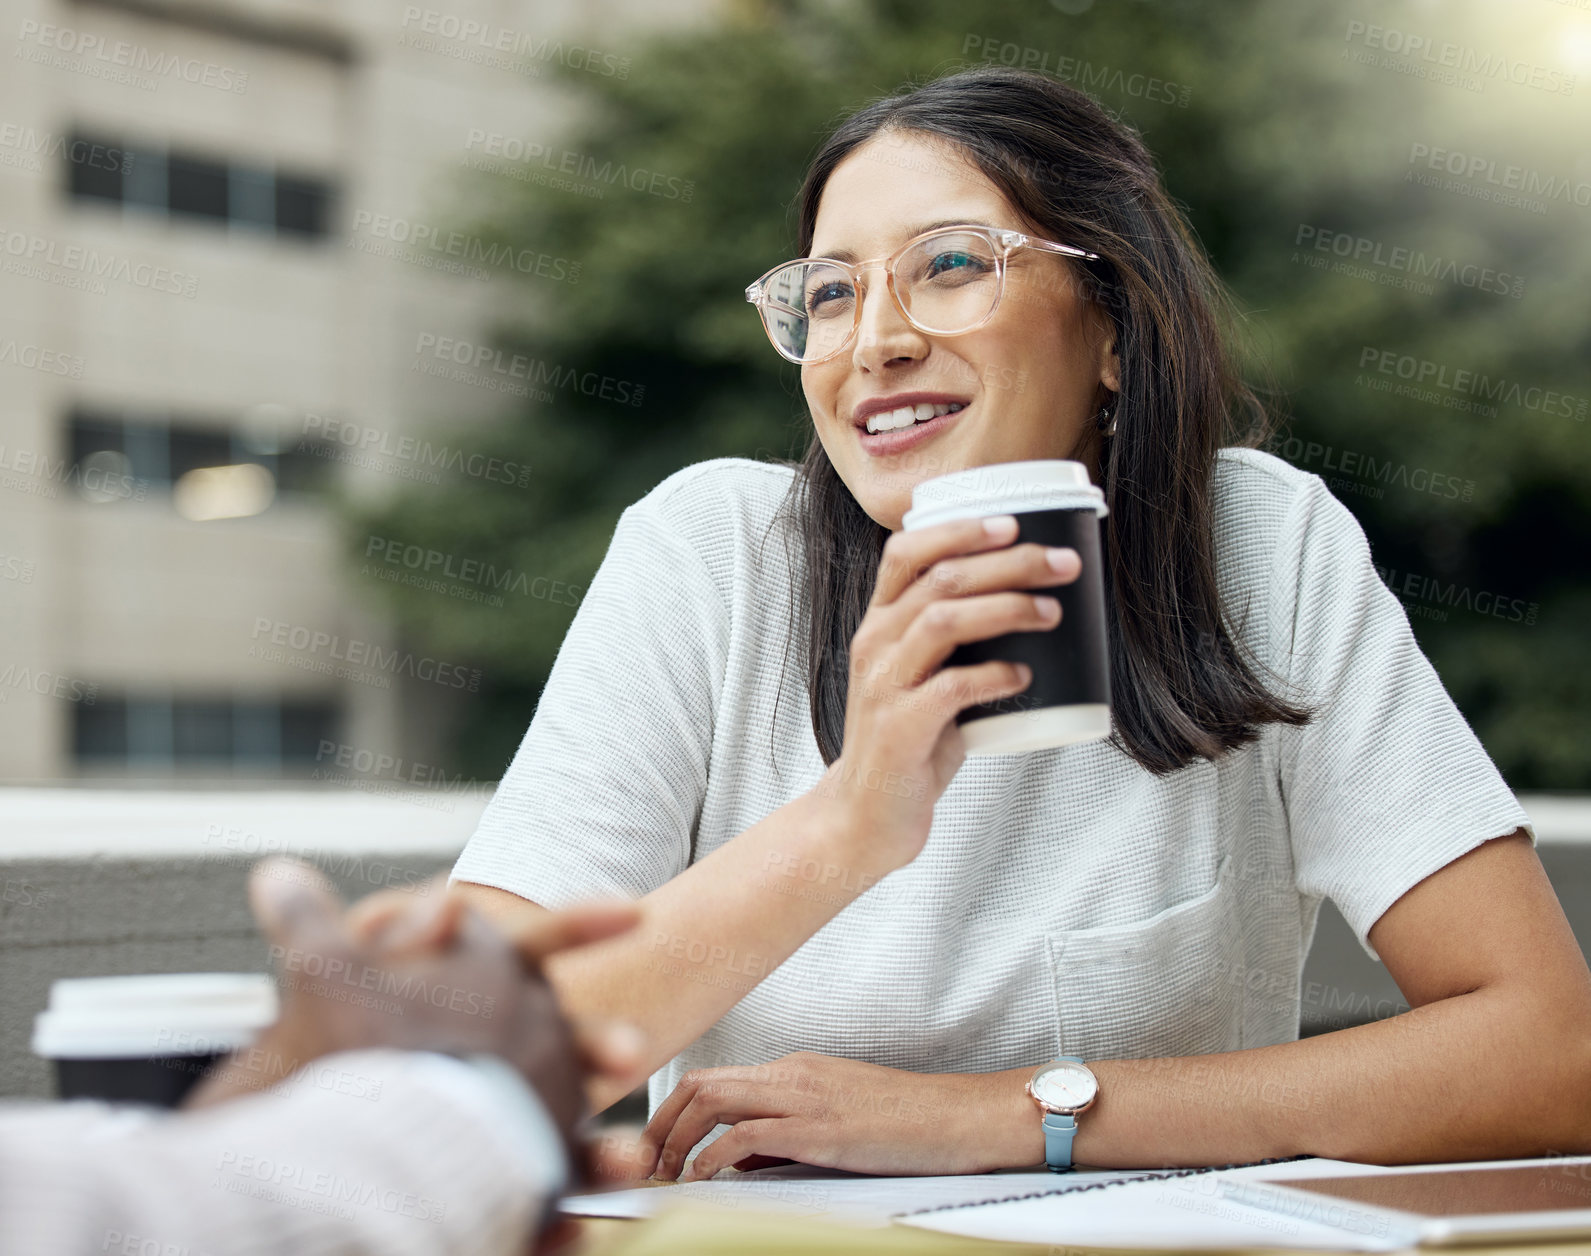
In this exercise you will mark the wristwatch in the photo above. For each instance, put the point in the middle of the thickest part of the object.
(1062, 1089)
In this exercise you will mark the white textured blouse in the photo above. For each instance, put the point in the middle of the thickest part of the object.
(1068, 901)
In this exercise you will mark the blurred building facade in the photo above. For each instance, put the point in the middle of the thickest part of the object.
(232, 284)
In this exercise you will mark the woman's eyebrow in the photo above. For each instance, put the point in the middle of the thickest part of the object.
(845, 255)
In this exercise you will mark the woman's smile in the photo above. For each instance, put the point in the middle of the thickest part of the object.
(927, 420)
(1033, 373)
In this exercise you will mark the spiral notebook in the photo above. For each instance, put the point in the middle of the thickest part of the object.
(1303, 1203)
(1108, 1207)
(1174, 1208)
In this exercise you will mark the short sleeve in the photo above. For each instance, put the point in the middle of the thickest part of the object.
(1387, 783)
(603, 796)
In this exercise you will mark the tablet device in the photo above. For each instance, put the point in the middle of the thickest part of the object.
(1440, 1207)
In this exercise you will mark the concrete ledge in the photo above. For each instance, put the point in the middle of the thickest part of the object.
(119, 881)
(63, 823)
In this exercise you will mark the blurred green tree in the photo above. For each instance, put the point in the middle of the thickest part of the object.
(1275, 136)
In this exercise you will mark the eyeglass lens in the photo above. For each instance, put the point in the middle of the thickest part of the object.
(947, 283)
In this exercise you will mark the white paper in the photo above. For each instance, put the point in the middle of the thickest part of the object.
(856, 1198)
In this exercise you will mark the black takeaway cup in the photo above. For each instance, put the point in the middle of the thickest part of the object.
(1069, 698)
(148, 1039)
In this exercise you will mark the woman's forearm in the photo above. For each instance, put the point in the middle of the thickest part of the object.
(709, 935)
(1479, 1075)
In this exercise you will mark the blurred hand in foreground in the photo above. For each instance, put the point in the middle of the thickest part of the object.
(422, 970)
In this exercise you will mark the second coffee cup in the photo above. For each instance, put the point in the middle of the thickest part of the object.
(148, 1039)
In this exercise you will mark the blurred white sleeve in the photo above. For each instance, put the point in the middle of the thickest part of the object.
(390, 1152)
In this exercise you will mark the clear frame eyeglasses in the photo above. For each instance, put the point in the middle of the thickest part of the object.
(944, 282)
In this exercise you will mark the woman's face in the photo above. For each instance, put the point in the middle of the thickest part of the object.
(1031, 379)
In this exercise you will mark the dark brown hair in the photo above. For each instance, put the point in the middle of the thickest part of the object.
(1181, 688)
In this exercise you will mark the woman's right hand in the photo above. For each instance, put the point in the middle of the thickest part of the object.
(938, 587)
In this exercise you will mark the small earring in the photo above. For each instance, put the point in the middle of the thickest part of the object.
(1105, 420)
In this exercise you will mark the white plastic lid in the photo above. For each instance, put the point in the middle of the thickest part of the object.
(110, 1018)
(1003, 488)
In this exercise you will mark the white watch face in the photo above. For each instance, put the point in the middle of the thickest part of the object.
(1065, 1086)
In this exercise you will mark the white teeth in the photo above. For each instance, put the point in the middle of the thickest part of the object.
(889, 420)
(905, 416)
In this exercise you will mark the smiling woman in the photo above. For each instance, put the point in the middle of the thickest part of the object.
(864, 950)
(1132, 339)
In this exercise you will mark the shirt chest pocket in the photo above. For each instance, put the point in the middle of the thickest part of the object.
(1158, 987)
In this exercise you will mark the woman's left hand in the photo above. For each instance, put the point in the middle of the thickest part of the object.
(837, 1114)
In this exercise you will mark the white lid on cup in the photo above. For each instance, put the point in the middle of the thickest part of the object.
(1003, 488)
(111, 1018)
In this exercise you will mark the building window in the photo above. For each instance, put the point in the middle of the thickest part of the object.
(161, 734)
(95, 171)
(211, 472)
(149, 179)
(302, 207)
(197, 188)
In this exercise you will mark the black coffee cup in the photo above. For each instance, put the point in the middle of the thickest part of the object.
(1068, 700)
(148, 1039)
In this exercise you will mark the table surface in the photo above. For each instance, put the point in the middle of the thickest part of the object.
(688, 1230)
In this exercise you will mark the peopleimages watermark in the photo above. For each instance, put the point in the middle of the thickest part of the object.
(434, 564)
(135, 65)
(382, 764)
(1398, 266)
(29, 471)
(357, 445)
(752, 1192)
(1574, 1173)
(1405, 375)
(34, 256)
(429, 800)
(517, 366)
(39, 475)
(1372, 475)
(1217, 1075)
(36, 358)
(469, 39)
(329, 653)
(438, 366)
(1227, 1210)
(14, 567)
(792, 1073)
(21, 893)
(1429, 598)
(1517, 186)
(347, 981)
(1084, 74)
(133, 1243)
(528, 161)
(294, 1185)
(1443, 61)
(26, 148)
(378, 873)
(1281, 988)
(695, 951)
(46, 684)
(453, 252)
(247, 1065)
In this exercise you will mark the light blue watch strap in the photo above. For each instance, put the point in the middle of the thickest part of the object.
(1059, 1130)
